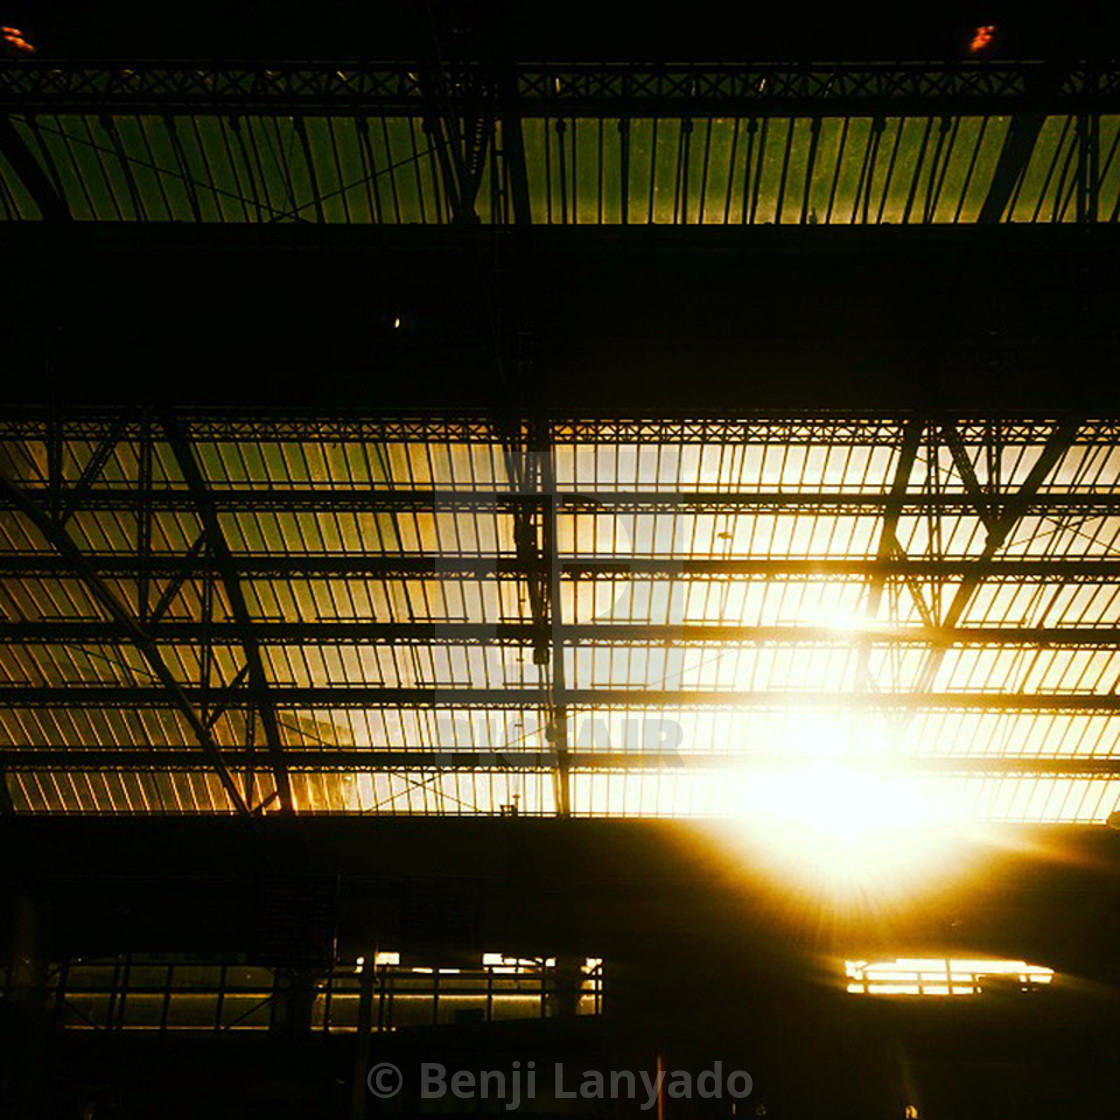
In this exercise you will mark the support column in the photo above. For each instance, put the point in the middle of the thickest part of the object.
(293, 999)
(567, 982)
(359, 1090)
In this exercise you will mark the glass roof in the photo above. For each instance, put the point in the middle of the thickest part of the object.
(722, 171)
(392, 145)
(206, 612)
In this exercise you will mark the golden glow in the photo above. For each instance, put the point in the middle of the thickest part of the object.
(846, 621)
(921, 976)
(845, 827)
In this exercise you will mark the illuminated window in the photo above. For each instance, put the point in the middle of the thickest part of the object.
(922, 976)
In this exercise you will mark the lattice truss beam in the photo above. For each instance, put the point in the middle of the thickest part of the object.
(412, 143)
(461, 615)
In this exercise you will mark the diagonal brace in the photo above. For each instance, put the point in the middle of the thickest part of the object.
(231, 581)
(1056, 446)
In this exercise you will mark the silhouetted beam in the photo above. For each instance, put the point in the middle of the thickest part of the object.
(332, 697)
(967, 472)
(1019, 145)
(52, 206)
(1022, 136)
(279, 499)
(557, 729)
(453, 136)
(355, 566)
(1013, 507)
(513, 144)
(360, 632)
(171, 692)
(333, 760)
(231, 581)
(888, 539)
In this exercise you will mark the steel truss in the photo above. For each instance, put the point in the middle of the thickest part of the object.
(757, 89)
(189, 610)
(831, 427)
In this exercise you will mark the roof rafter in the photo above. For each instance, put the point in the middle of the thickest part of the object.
(888, 546)
(231, 581)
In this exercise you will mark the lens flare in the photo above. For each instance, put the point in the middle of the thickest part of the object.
(845, 828)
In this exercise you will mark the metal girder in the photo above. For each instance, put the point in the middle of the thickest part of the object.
(1014, 157)
(460, 129)
(279, 566)
(505, 567)
(967, 472)
(797, 427)
(559, 89)
(556, 729)
(525, 634)
(90, 472)
(531, 564)
(531, 471)
(361, 761)
(231, 581)
(1041, 87)
(52, 206)
(177, 579)
(233, 499)
(1088, 167)
(170, 692)
(513, 144)
(340, 697)
(888, 546)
